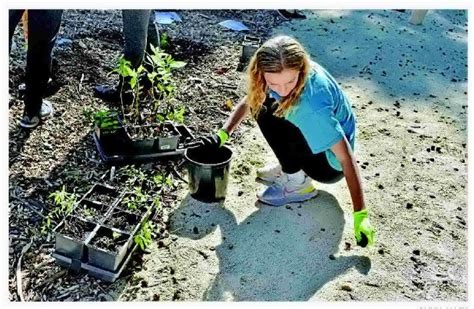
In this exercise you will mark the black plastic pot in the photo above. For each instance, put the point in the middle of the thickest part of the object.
(116, 154)
(142, 211)
(208, 172)
(101, 210)
(109, 193)
(73, 246)
(103, 258)
(250, 45)
(156, 144)
(133, 220)
(116, 136)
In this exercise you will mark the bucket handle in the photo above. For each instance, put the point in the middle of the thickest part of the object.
(174, 169)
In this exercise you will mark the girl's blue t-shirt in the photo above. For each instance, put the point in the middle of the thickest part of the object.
(323, 114)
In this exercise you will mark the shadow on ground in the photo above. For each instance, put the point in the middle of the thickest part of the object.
(275, 254)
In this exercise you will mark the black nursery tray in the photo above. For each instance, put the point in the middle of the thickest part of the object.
(112, 152)
(94, 271)
(80, 252)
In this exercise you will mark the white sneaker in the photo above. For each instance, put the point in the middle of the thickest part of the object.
(269, 173)
(284, 191)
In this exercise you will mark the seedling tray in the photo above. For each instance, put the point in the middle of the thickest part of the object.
(97, 272)
(113, 153)
(102, 264)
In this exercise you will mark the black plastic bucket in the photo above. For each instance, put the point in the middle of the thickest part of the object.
(208, 172)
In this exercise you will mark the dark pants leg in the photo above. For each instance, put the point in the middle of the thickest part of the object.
(14, 17)
(43, 27)
(139, 32)
(291, 148)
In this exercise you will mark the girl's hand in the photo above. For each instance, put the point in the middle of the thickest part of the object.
(363, 230)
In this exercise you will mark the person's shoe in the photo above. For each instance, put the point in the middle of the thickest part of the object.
(284, 191)
(46, 112)
(107, 93)
(112, 94)
(28, 122)
(269, 173)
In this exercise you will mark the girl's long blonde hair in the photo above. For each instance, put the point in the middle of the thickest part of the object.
(275, 55)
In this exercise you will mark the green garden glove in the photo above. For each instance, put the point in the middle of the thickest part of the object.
(223, 136)
(363, 231)
(215, 140)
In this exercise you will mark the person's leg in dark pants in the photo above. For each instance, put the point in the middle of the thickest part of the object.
(291, 148)
(43, 27)
(14, 17)
(280, 135)
(139, 32)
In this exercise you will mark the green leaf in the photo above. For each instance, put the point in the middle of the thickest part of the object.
(177, 64)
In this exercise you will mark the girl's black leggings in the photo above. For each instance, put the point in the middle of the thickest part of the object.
(291, 148)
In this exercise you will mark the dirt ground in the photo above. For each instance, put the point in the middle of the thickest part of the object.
(408, 88)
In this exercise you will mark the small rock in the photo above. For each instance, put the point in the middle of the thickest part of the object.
(347, 246)
(62, 42)
(409, 205)
(156, 297)
(381, 187)
(240, 193)
(277, 231)
(231, 247)
(82, 44)
(332, 257)
(195, 230)
(381, 251)
(144, 284)
(346, 287)
(323, 229)
(416, 252)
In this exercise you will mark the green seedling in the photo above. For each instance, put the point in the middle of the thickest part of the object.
(115, 235)
(164, 42)
(144, 235)
(63, 203)
(106, 119)
(161, 181)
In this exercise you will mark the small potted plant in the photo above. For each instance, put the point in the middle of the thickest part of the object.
(108, 247)
(146, 129)
(102, 194)
(71, 234)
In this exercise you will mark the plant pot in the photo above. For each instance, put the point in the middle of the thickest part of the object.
(110, 134)
(250, 45)
(107, 248)
(112, 154)
(69, 240)
(156, 143)
(102, 194)
(91, 211)
(139, 210)
(123, 220)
